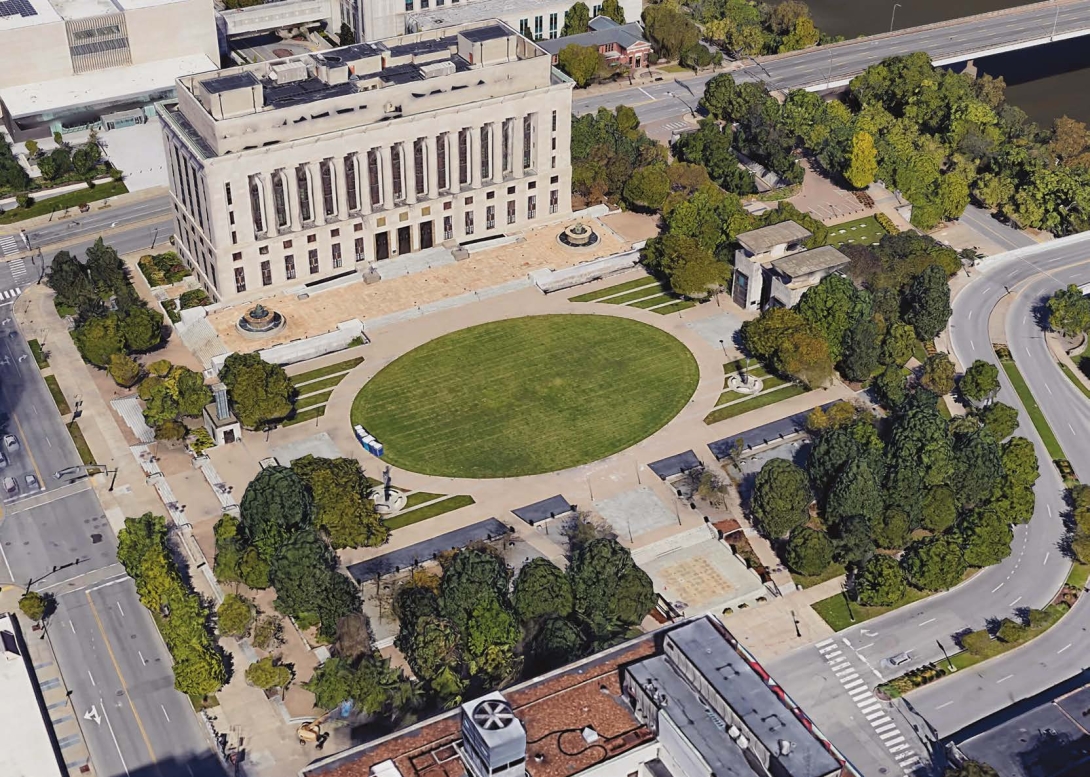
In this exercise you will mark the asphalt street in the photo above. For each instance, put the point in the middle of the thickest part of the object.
(90, 225)
(818, 67)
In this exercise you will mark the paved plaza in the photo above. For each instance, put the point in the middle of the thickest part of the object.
(635, 513)
(704, 577)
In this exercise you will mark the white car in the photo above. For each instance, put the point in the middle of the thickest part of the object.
(32, 483)
(11, 488)
(10, 442)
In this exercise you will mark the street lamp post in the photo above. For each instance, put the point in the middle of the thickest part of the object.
(848, 603)
(893, 15)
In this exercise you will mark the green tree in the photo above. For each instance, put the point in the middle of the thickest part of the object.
(863, 161)
(938, 374)
(473, 575)
(234, 616)
(541, 589)
(613, 9)
(124, 370)
(832, 307)
(1020, 461)
(855, 492)
(99, 339)
(808, 551)
(582, 63)
(861, 349)
(490, 638)
(881, 582)
(928, 302)
(436, 650)
(898, 344)
(69, 279)
(648, 187)
(953, 194)
(670, 30)
(275, 505)
(342, 510)
(576, 20)
(33, 605)
(892, 386)
(86, 158)
(971, 769)
(852, 541)
(332, 683)
(985, 538)
(978, 468)
(556, 643)
(781, 496)
(940, 509)
(699, 275)
(141, 328)
(934, 563)
(891, 529)
(412, 603)
(719, 94)
(260, 393)
(266, 674)
(999, 420)
(980, 382)
(107, 270)
(609, 592)
(1069, 311)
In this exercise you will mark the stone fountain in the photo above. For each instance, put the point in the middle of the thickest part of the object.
(259, 321)
(578, 235)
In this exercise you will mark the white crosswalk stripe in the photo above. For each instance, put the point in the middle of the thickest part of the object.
(9, 293)
(9, 244)
(17, 267)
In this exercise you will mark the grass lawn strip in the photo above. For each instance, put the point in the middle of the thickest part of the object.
(319, 385)
(58, 395)
(63, 201)
(1078, 575)
(331, 369)
(609, 291)
(82, 447)
(728, 396)
(418, 498)
(650, 302)
(1052, 445)
(312, 399)
(755, 367)
(527, 395)
(759, 401)
(1075, 379)
(39, 354)
(864, 231)
(809, 581)
(428, 511)
(632, 296)
(306, 415)
(834, 610)
(676, 307)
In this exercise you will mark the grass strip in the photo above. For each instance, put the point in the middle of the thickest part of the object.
(312, 399)
(609, 291)
(728, 396)
(1078, 575)
(759, 401)
(39, 354)
(674, 308)
(755, 368)
(834, 610)
(428, 511)
(809, 581)
(1075, 379)
(63, 201)
(659, 299)
(1052, 445)
(321, 372)
(306, 415)
(321, 384)
(419, 498)
(80, 441)
(57, 394)
(632, 296)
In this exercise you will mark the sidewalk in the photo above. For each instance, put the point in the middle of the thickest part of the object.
(769, 630)
(99, 205)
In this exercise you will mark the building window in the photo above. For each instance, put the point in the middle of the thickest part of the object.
(335, 232)
(527, 135)
(448, 227)
(325, 171)
(538, 27)
(359, 249)
(280, 199)
(337, 255)
(532, 185)
(554, 179)
(486, 156)
(408, 5)
(441, 161)
(552, 25)
(505, 143)
(424, 5)
(469, 222)
(312, 258)
(350, 182)
(554, 121)
(490, 217)
(312, 238)
(234, 238)
(266, 273)
(524, 28)
(531, 206)
(463, 157)
(289, 267)
(227, 191)
(554, 201)
(240, 279)
(263, 250)
(372, 177)
(287, 244)
(255, 206)
(418, 165)
(395, 170)
(302, 182)
(237, 256)
(230, 217)
(510, 211)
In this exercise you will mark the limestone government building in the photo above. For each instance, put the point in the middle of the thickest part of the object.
(303, 170)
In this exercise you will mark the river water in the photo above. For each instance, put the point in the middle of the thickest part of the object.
(1045, 82)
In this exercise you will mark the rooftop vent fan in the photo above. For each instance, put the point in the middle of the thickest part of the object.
(493, 715)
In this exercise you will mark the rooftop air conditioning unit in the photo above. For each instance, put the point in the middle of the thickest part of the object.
(493, 738)
(437, 69)
(288, 72)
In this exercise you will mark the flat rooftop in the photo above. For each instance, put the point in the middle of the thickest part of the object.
(807, 262)
(27, 13)
(758, 241)
(30, 750)
(477, 11)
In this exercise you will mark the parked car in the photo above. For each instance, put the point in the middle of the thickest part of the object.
(11, 488)
(32, 483)
(3, 460)
(10, 442)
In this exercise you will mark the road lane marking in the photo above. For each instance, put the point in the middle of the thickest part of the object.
(890, 735)
(93, 683)
(1046, 557)
(869, 644)
(870, 706)
(143, 660)
(849, 674)
(113, 736)
(823, 643)
(834, 655)
(947, 704)
(1072, 428)
(71, 626)
(898, 748)
(29, 452)
(121, 677)
(1050, 391)
(931, 620)
(1016, 601)
(164, 709)
(851, 684)
(649, 97)
(120, 610)
(997, 588)
(1065, 647)
(4, 556)
(874, 715)
(881, 728)
(1003, 679)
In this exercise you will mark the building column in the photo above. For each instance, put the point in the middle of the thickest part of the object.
(495, 134)
(291, 192)
(387, 173)
(267, 205)
(516, 145)
(408, 167)
(431, 162)
(317, 201)
(363, 185)
(475, 156)
(448, 161)
(341, 187)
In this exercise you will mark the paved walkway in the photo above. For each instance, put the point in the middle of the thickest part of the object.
(769, 630)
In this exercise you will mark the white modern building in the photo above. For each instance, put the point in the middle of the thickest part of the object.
(296, 172)
(74, 63)
(536, 19)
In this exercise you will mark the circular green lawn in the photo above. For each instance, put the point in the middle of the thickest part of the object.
(526, 395)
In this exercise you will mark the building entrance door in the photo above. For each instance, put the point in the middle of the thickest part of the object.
(425, 235)
(382, 245)
(404, 240)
